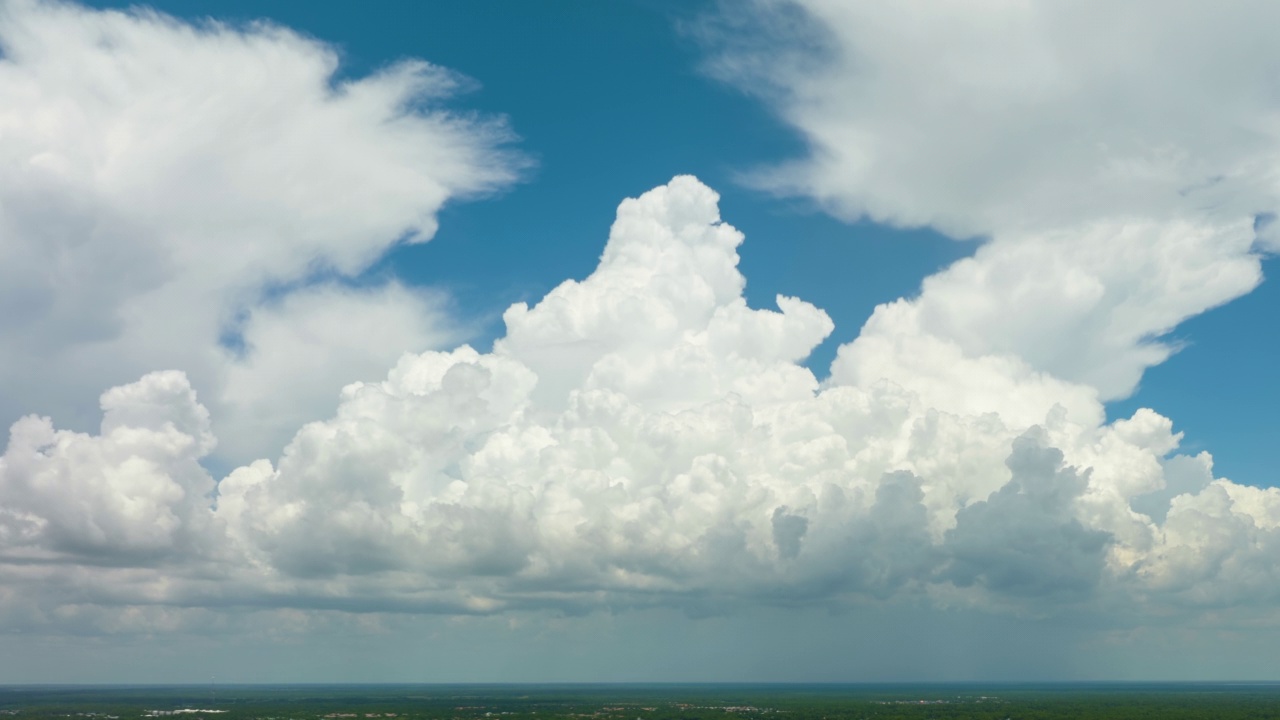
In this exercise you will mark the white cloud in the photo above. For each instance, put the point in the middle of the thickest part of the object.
(158, 180)
(1116, 159)
(133, 493)
(1054, 318)
(299, 350)
(640, 438)
(1118, 164)
(679, 456)
(643, 437)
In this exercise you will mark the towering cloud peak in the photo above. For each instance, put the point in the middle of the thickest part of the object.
(662, 311)
(135, 493)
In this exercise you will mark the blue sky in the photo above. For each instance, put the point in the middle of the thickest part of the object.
(315, 351)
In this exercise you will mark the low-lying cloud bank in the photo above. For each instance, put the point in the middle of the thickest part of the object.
(640, 438)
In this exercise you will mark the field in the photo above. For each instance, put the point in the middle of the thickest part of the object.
(641, 702)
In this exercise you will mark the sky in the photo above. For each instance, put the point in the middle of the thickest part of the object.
(802, 341)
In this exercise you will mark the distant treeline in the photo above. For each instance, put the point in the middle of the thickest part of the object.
(643, 702)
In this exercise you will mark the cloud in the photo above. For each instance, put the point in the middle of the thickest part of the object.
(297, 350)
(1117, 165)
(1115, 160)
(679, 456)
(1056, 318)
(134, 493)
(643, 437)
(977, 118)
(166, 187)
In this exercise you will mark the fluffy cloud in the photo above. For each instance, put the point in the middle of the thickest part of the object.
(977, 118)
(296, 351)
(679, 455)
(162, 186)
(1118, 165)
(1060, 318)
(1116, 160)
(134, 492)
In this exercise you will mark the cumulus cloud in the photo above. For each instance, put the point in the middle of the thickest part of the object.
(135, 492)
(1117, 166)
(679, 456)
(295, 351)
(162, 185)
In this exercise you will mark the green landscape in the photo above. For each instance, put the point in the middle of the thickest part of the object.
(645, 702)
